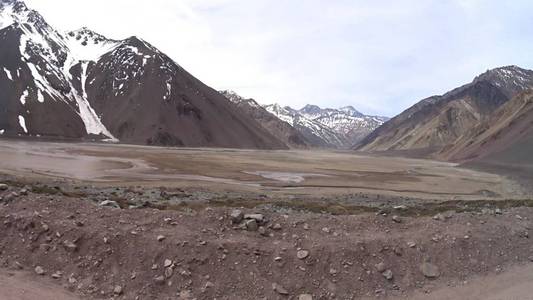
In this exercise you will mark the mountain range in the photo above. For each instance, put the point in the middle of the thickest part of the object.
(311, 126)
(83, 85)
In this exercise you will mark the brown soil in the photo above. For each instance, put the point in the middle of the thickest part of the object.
(212, 258)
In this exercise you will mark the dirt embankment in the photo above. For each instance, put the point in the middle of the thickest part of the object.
(103, 252)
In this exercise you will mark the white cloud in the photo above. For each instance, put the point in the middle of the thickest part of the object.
(379, 56)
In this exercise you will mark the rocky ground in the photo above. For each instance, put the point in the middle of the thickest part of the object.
(108, 248)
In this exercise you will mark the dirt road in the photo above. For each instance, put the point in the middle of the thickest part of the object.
(24, 286)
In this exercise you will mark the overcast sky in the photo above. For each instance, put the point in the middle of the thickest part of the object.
(379, 56)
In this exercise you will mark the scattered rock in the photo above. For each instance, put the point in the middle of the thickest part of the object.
(262, 230)
(167, 263)
(302, 254)
(70, 246)
(169, 272)
(57, 275)
(236, 216)
(160, 280)
(39, 270)
(257, 217)
(388, 274)
(117, 290)
(498, 211)
(439, 217)
(161, 238)
(279, 289)
(24, 192)
(305, 297)
(381, 267)
(251, 225)
(396, 219)
(209, 285)
(109, 203)
(430, 270)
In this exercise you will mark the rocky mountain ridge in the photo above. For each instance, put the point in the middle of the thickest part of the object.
(438, 121)
(83, 85)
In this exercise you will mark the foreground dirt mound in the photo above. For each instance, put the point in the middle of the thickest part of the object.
(104, 252)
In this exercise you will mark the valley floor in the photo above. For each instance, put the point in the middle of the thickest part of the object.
(95, 221)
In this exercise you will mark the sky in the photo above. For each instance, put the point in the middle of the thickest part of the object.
(379, 56)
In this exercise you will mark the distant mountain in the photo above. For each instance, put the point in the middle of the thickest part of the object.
(277, 127)
(81, 84)
(316, 133)
(435, 122)
(338, 128)
(349, 124)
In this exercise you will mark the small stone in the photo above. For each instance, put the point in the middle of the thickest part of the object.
(109, 203)
(305, 297)
(531, 258)
(57, 275)
(161, 238)
(117, 290)
(236, 216)
(160, 280)
(411, 244)
(20, 267)
(439, 217)
(251, 225)
(209, 285)
(277, 227)
(39, 270)
(24, 192)
(388, 274)
(396, 219)
(279, 289)
(429, 270)
(70, 246)
(258, 217)
(262, 231)
(302, 254)
(3, 187)
(498, 211)
(381, 267)
(169, 272)
(167, 263)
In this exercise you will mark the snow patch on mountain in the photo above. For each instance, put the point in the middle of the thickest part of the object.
(24, 96)
(87, 45)
(50, 56)
(22, 123)
(8, 74)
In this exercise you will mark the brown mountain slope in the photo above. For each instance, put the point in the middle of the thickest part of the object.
(438, 121)
(507, 135)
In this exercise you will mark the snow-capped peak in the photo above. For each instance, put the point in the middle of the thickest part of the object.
(87, 45)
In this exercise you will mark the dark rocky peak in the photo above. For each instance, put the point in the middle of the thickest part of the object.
(311, 109)
(86, 36)
(510, 79)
